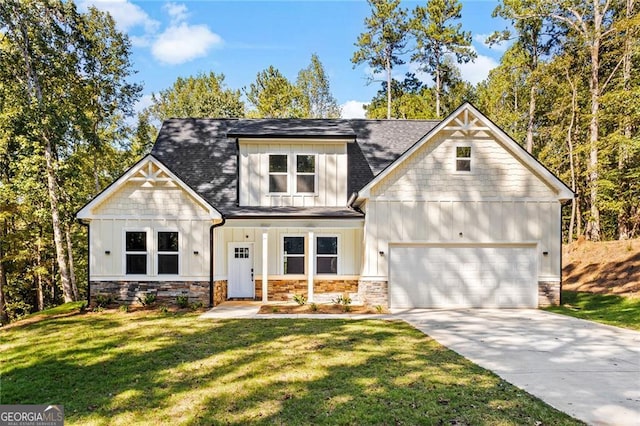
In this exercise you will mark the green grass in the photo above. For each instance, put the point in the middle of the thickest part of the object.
(154, 368)
(607, 309)
(65, 308)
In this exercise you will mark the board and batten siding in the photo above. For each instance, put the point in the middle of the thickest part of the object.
(349, 248)
(331, 174)
(425, 200)
(161, 207)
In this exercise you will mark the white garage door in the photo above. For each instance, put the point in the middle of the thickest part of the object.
(463, 276)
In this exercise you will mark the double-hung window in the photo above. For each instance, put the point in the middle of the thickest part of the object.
(463, 158)
(293, 256)
(168, 253)
(327, 255)
(278, 173)
(136, 252)
(305, 173)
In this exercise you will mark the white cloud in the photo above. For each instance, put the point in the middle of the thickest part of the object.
(477, 71)
(127, 15)
(498, 47)
(182, 43)
(352, 109)
(143, 102)
(177, 12)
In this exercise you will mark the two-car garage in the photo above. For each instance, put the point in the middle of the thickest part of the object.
(463, 276)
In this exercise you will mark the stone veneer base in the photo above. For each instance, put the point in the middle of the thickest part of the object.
(127, 292)
(284, 290)
(548, 293)
(374, 293)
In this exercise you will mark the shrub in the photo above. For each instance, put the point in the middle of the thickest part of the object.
(182, 301)
(379, 308)
(164, 309)
(300, 299)
(275, 309)
(314, 307)
(196, 305)
(103, 300)
(148, 299)
(124, 308)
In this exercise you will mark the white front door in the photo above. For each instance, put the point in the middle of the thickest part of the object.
(240, 271)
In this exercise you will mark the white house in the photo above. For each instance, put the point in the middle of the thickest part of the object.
(404, 213)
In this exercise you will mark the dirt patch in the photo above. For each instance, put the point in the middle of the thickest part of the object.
(610, 267)
(319, 309)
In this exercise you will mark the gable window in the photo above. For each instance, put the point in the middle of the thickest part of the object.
(327, 255)
(168, 253)
(305, 173)
(278, 173)
(293, 259)
(136, 252)
(463, 158)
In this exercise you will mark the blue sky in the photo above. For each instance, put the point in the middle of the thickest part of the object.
(240, 38)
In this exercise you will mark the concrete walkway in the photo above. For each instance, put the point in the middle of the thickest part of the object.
(588, 370)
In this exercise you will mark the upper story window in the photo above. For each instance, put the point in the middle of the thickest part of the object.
(168, 253)
(305, 173)
(278, 173)
(293, 259)
(463, 158)
(136, 252)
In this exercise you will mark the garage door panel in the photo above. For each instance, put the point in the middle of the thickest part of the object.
(458, 276)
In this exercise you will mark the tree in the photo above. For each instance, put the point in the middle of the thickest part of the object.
(314, 85)
(384, 41)
(203, 95)
(410, 100)
(438, 39)
(274, 96)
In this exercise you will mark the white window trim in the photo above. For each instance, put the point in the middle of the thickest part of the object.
(315, 173)
(337, 255)
(157, 252)
(456, 158)
(303, 256)
(148, 253)
(287, 174)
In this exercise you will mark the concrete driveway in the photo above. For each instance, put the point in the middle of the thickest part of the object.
(585, 369)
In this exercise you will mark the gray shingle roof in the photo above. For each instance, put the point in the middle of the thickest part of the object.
(290, 128)
(202, 152)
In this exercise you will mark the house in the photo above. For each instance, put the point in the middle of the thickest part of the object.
(401, 213)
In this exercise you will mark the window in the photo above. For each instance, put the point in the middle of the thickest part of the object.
(136, 252)
(463, 158)
(293, 255)
(327, 255)
(241, 253)
(168, 253)
(305, 173)
(278, 173)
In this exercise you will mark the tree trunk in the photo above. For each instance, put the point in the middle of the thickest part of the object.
(72, 273)
(438, 88)
(4, 317)
(572, 168)
(532, 112)
(623, 154)
(61, 257)
(39, 286)
(388, 67)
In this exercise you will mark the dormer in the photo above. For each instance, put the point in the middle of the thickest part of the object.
(298, 163)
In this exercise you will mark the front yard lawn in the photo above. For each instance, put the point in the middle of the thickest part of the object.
(172, 368)
(608, 309)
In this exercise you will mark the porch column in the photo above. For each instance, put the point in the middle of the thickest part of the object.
(265, 263)
(310, 266)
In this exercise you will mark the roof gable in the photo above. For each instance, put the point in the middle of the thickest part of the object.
(148, 173)
(467, 121)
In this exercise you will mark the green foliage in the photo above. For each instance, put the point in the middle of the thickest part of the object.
(313, 82)
(148, 299)
(273, 96)
(203, 95)
(182, 301)
(300, 299)
(103, 300)
(124, 308)
(343, 300)
(314, 307)
(164, 309)
(379, 309)
(196, 305)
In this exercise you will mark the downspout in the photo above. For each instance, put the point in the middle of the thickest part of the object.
(88, 260)
(212, 259)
